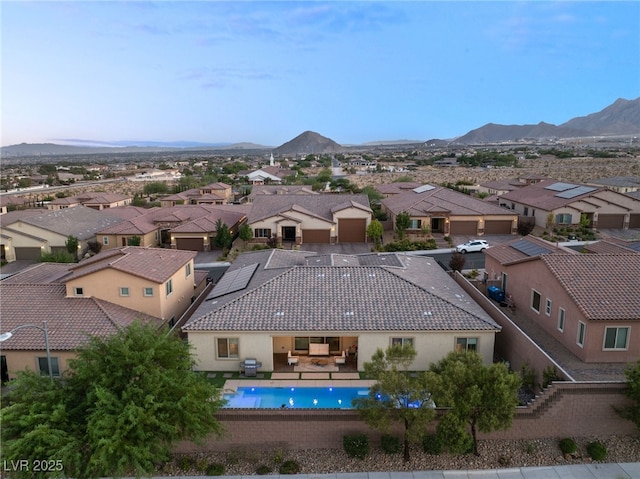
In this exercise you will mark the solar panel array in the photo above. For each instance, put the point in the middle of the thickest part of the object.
(233, 281)
(423, 188)
(559, 186)
(529, 248)
(580, 190)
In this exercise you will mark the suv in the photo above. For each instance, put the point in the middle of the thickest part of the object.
(471, 246)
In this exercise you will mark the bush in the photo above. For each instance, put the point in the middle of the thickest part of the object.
(263, 470)
(289, 467)
(185, 463)
(215, 469)
(597, 451)
(356, 445)
(568, 446)
(390, 444)
(431, 444)
(550, 374)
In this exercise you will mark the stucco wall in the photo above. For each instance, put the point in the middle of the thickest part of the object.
(21, 360)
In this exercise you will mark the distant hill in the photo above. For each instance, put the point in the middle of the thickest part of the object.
(308, 143)
(620, 118)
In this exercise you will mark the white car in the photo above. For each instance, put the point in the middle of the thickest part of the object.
(471, 246)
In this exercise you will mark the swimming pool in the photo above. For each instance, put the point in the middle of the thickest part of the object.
(294, 397)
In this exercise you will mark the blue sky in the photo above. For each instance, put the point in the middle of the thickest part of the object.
(264, 72)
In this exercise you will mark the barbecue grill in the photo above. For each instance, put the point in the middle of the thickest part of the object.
(250, 366)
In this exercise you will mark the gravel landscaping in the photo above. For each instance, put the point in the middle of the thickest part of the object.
(494, 454)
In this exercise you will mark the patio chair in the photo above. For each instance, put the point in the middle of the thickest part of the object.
(341, 359)
(292, 359)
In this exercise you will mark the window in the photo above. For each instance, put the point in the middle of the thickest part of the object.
(402, 342)
(228, 348)
(105, 240)
(415, 224)
(526, 211)
(547, 307)
(169, 287)
(561, 314)
(262, 233)
(616, 338)
(78, 291)
(466, 344)
(535, 301)
(124, 291)
(148, 291)
(43, 366)
(582, 328)
(187, 270)
(563, 219)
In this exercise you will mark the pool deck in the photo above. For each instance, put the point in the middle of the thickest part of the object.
(318, 380)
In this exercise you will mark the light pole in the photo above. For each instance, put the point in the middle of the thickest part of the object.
(5, 336)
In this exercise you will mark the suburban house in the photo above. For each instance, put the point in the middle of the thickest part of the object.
(551, 202)
(589, 302)
(187, 227)
(392, 189)
(273, 302)
(310, 218)
(26, 234)
(260, 177)
(258, 191)
(621, 184)
(442, 210)
(501, 186)
(97, 201)
(212, 194)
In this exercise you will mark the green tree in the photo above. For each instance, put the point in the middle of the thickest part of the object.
(245, 233)
(374, 195)
(479, 397)
(397, 396)
(632, 391)
(155, 187)
(403, 221)
(134, 241)
(222, 238)
(375, 231)
(72, 245)
(126, 400)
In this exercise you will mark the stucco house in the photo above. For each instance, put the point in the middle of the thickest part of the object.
(303, 218)
(258, 191)
(589, 302)
(565, 203)
(442, 210)
(212, 194)
(97, 201)
(271, 302)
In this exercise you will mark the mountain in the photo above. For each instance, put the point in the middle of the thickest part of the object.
(307, 143)
(620, 119)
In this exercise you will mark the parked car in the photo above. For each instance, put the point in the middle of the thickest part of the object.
(472, 246)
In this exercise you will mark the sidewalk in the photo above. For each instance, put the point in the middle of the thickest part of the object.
(630, 470)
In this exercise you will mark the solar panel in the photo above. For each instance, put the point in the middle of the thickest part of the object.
(559, 186)
(529, 248)
(233, 281)
(633, 246)
(423, 188)
(580, 190)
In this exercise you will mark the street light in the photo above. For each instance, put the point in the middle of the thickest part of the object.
(5, 336)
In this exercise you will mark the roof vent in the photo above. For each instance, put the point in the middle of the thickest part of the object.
(427, 313)
(279, 313)
(349, 313)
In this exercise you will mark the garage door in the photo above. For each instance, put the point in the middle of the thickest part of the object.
(610, 221)
(316, 236)
(497, 227)
(352, 230)
(464, 228)
(634, 221)
(28, 253)
(190, 244)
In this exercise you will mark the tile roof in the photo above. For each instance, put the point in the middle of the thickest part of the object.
(537, 195)
(154, 264)
(613, 245)
(420, 296)
(321, 206)
(604, 286)
(40, 273)
(508, 253)
(440, 199)
(70, 321)
(397, 188)
(259, 190)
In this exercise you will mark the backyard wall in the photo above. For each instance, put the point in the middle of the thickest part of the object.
(562, 410)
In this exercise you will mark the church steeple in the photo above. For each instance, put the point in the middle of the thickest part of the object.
(271, 160)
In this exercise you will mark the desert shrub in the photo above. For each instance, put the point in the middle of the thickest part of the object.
(263, 470)
(215, 469)
(278, 456)
(431, 444)
(57, 257)
(356, 445)
(568, 445)
(528, 375)
(390, 444)
(289, 467)
(184, 463)
(550, 374)
(597, 451)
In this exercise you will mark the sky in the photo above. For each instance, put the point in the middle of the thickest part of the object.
(264, 72)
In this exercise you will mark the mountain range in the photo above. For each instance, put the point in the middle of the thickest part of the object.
(621, 118)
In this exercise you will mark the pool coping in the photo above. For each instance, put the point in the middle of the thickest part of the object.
(233, 384)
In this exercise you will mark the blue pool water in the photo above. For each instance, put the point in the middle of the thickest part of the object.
(294, 397)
